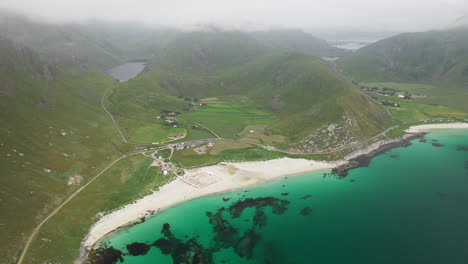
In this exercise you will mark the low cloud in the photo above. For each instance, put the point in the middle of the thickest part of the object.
(363, 15)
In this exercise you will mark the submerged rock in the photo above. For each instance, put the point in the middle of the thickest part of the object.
(188, 252)
(438, 145)
(104, 255)
(442, 195)
(226, 234)
(307, 196)
(462, 148)
(246, 244)
(138, 249)
(279, 206)
(306, 211)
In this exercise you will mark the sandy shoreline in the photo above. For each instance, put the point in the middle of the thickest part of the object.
(422, 128)
(228, 177)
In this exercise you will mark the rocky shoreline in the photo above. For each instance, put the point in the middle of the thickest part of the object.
(363, 160)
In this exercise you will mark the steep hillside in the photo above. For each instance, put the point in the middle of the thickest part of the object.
(54, 137)
(436, 57)
(298, 40)
(295, 95)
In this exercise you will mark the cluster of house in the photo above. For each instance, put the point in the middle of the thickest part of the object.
(389, 103)
(266, 133)
(176, 136)
(170, 117)
(203, 149)
(164, 166)
(177, 147)
(385, 92)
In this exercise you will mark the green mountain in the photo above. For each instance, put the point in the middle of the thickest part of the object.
(300, 96)
(54, 137)
(298, 40)
(434, 57)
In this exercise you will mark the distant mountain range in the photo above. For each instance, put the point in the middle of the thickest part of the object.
(460, 22)
(438, 57)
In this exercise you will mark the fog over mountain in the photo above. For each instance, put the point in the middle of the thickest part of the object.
(316, 16)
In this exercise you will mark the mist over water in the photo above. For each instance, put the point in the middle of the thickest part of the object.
(409, 206)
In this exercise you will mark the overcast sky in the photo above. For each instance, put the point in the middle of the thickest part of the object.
(320, 15)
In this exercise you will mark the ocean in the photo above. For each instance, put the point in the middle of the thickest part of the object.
(410, 205)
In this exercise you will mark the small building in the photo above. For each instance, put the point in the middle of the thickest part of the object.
(407, 97)
(204, 105)
(251, 131)
(172, 113)
(158, 117)
(268, 133)
(165, 172)
(401, 96)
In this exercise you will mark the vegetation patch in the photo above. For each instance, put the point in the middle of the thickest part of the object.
(222, 145)
(156, 132)
(261, 134)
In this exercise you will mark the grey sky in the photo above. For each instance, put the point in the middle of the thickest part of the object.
(363, 15)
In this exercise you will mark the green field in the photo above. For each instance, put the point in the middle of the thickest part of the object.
(228, 120)
(188, 158)
(154, 132)
(415, 111)
(429, 105)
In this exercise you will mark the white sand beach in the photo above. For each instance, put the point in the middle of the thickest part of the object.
(223, 177)
(422, 128)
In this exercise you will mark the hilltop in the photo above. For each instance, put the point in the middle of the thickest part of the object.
(300, 41)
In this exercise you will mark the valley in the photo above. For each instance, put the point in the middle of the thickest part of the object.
(95, 117)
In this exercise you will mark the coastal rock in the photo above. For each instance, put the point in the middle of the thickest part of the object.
(278, 205)
(462, 148)
(364, 159)
(306, 211)
(138, 249)
(104, 255)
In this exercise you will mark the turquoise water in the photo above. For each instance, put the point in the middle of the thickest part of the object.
(409, 206)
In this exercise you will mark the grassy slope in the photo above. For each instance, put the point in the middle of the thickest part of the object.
(289, 85)
(35, 109)
(438, 58)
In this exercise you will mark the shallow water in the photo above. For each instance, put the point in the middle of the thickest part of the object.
(409, 206)
(127, 71)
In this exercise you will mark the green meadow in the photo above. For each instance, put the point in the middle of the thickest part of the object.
(228, 120)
